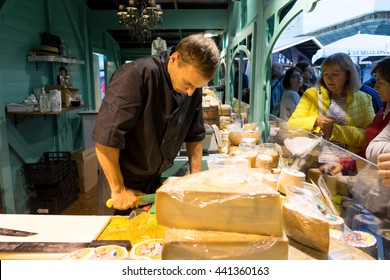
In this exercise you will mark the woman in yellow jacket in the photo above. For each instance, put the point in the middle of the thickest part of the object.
(336, 110)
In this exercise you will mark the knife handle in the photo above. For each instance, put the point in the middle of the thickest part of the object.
(109, 203)
(141, 200)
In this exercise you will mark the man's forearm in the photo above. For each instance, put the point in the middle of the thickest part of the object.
(194, 151)
(109, 161)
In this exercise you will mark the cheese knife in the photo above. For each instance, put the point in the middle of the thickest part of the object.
(15, 232)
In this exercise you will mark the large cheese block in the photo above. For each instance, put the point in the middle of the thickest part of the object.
(182, 244)
(307, 225)
(224, 199)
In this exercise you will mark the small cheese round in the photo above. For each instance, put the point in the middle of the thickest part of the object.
(264, 161)
(81, 254)
(111, 252)
(288, 176)
(235, 137)
(147, 250)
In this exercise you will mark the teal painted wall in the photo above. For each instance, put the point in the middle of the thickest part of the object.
(21, 25)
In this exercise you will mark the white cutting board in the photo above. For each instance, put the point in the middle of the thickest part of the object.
(54, 228)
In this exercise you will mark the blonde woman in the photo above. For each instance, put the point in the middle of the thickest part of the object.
(336, 110)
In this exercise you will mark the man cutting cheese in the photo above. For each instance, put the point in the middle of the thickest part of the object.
(152, 106)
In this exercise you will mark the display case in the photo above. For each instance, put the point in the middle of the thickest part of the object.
(357, 195)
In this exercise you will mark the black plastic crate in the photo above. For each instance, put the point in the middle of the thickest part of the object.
(52, 205)
(50, 169)
(62, 188)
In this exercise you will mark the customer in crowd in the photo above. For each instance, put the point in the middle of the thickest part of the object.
(152, 106)
(336, 110)
(376, 128)
(277, 88)
(376, 101)
(371, 81)
(245, 83)
(292, 82)
(308, 74)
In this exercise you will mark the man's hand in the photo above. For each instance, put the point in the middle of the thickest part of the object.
(125, 199)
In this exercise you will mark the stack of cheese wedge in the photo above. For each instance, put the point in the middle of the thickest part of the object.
(220, 214)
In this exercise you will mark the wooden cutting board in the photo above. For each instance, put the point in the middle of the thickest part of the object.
(54, 228)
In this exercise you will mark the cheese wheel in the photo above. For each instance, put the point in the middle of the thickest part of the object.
(226, 110)
(219, 200)
(147, 250)
(180, 244)
(233, 150)
(362, 240)
(271, 180)
(270, 149)
(81, 254)
(335, 222)
(235, 137)
(276, 170)
(249, 127)
(264, 161)
(289, 176)
(112, 252)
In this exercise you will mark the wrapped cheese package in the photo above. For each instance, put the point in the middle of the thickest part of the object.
(180, 244)
(302, 219)
(226, 199)
(305, 224)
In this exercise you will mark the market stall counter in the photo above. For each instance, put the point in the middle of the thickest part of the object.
(140, 230)
(260, 210)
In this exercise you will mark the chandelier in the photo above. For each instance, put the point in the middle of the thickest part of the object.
(140, 18)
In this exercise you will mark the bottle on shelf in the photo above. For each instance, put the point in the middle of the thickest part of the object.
(44, 101)
(64, 49)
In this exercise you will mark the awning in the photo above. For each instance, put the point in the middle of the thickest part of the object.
(307, 46)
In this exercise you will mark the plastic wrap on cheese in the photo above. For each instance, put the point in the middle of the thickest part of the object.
(216, 245)
(304, 223)
(220, 200)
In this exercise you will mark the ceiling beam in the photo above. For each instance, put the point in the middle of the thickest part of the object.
(186, 19)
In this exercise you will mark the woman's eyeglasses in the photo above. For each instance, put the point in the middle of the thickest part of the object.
(294, 76)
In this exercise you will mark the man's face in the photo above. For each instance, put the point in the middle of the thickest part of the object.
(276, 70)
(185, 78)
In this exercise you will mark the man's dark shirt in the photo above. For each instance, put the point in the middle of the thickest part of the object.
(143, 116)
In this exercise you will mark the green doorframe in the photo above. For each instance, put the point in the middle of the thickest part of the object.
(243, 42)
(272, 18)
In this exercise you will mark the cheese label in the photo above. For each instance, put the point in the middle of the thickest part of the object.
(359, 239)
(147, 250)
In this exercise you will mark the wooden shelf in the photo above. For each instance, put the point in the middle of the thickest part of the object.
(45, 114)
(64, 110)
(53, 58)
